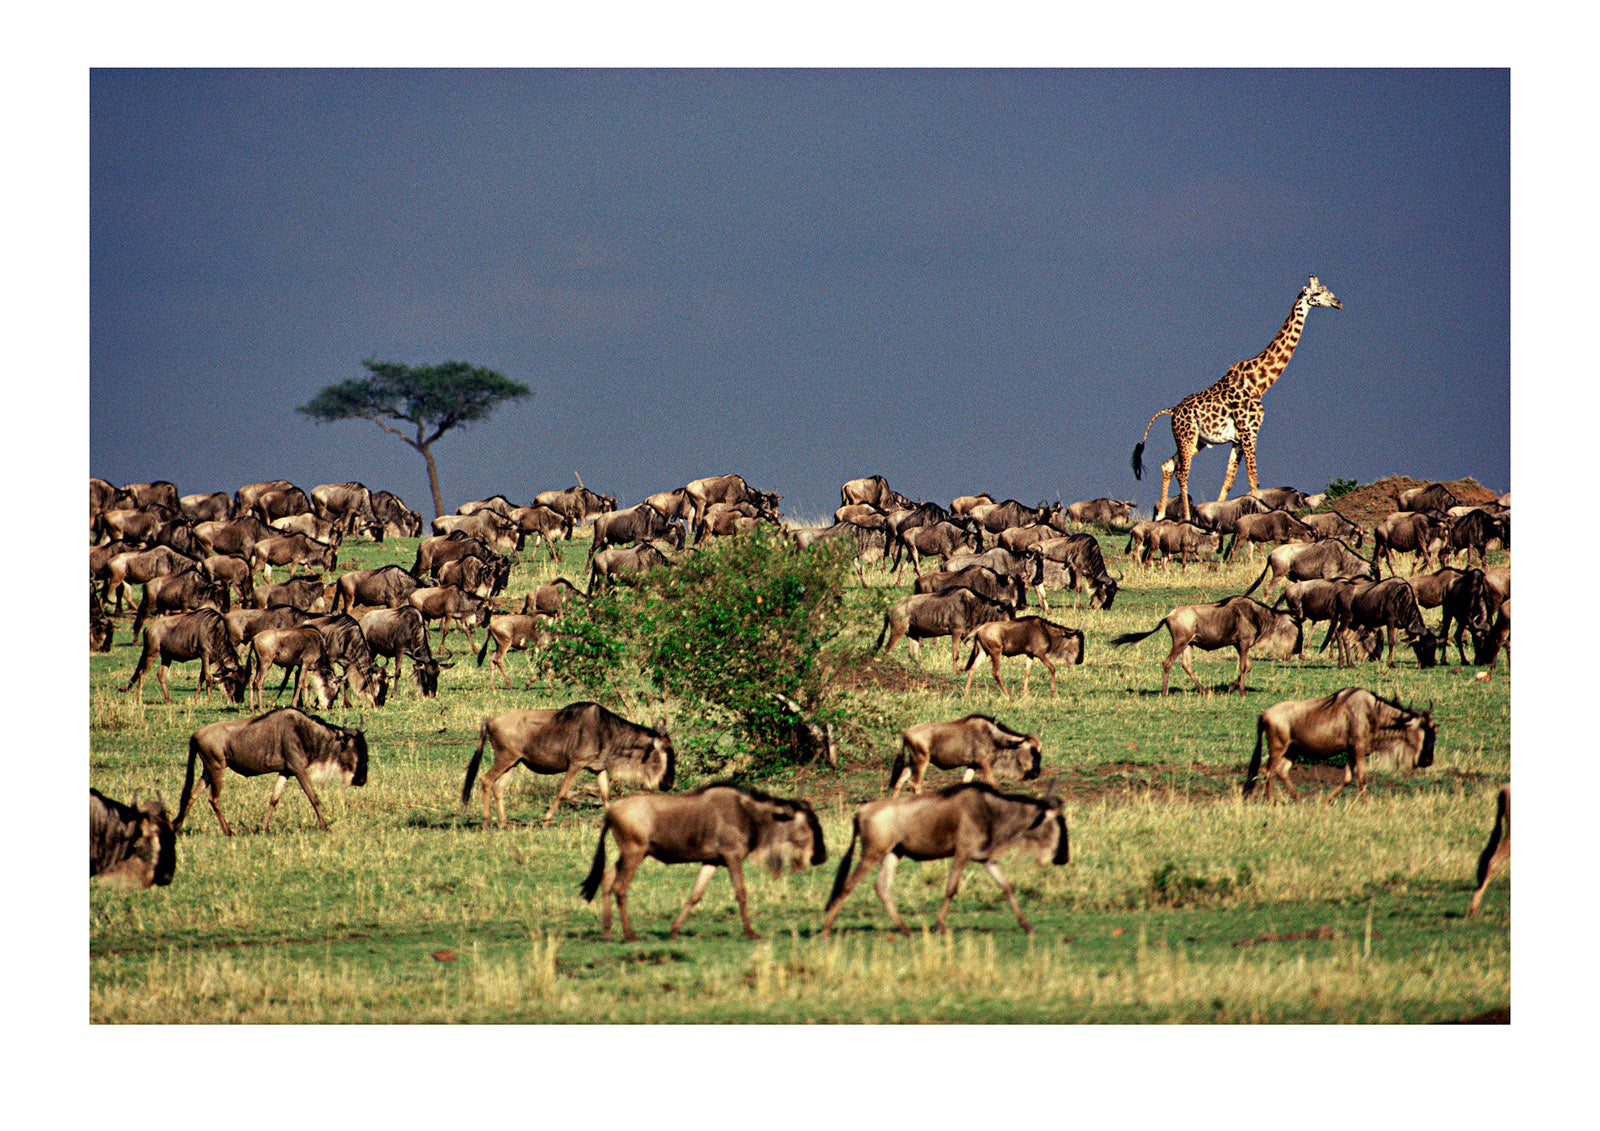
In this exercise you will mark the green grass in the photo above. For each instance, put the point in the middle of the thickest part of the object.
(1181, 904)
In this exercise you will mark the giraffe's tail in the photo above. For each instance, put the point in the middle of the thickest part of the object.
(1138, 450)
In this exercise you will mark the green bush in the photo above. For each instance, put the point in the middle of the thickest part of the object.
(1337, 487)
(738, 635)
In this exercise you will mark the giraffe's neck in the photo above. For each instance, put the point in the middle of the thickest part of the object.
(1257, 375)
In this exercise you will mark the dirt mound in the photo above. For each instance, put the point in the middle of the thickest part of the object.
(1368, 504)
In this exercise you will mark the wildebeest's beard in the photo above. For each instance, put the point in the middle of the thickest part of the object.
(1429, 734)
(1426, 649)
(359, 742)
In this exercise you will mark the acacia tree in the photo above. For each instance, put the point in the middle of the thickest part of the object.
(430, 398)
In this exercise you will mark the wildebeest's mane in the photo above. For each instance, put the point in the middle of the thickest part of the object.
(997, 724)
(751, 792)
(985, 787)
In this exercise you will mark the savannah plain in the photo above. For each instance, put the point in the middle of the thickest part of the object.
(1182, 902)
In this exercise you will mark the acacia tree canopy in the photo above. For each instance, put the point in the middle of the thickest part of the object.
(432, 399)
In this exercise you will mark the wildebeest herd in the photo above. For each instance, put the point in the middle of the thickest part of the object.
(205, 563)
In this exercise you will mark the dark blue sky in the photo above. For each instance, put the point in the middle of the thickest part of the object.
(963, 280)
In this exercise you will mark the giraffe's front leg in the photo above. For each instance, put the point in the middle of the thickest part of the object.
(1248, 443)
(1233, 470)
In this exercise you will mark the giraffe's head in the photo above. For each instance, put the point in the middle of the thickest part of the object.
(1316, 294)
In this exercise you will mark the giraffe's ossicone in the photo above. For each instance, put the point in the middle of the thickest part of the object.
(1229, 412)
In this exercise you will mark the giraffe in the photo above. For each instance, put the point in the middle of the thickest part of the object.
(1229, 412)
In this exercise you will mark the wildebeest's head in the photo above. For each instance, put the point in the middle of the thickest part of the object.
(648, 760)
(345, 754)
(153, 855)
(1048, 834)
(1067, 644)
(1285, 635)
(794, 840)
(1426, 647)
(426, 673)
(1105, 592)
(233, 684)
(1409, 743)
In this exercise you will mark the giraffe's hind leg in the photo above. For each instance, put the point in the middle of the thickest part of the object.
(1233, 470)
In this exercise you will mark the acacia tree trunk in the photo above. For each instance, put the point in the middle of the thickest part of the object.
(433, 479)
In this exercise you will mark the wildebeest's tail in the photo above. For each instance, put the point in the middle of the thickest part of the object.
(1138, 450)
(1255, 759)
(141, 667)
(1132, 637)
(472, 766)
(597, 870)
(884, 635)
(484, 651)
(843, 873)
(899, 764)
(188, 786)
(1258, 580)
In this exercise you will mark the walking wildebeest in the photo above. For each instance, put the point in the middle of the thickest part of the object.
(719, 825)
(201, 635)
(1273, 526)
(952, 612)
(136, 567)
(1032, 637)
(1324, 560)
(621, 561)
(1390, 604)
(725, 489)
(1418, 533)
(638, 523)
(386, 587)
(132, 844)
(978, 742)
(287, 742)
(300, 648)
(1223, 517)
(513, 632)
(1237, 622)
(243, 624)
(403, 633)
(971, 821)
(576, 504)
(540, 523)
(1283, 498)
(1353, 721)
(941, 540)
(875, 490)
(568, 740)
(1181, 538)
(1102, 511)
(1086, 566)
(293, 550)
(1318, 600)
(234, 536)
(1498, 850)
(449, 605)
(280, 503)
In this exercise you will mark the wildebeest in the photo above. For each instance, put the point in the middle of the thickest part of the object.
(952, 612)
(449, 605)
(996, 517)
(671, 504)
(231, 572)
(972, 821)
(1028, 565)
(1413, 532)
(280, 503)
(293, 550)
(1080, 553)
(568, 740)
(391, 513)
(1237, 622)
(1184, 539)
(576, 504)
(201, 635)
(137, 567)
(1281, 498)
(1429, 497)
(481, 577)
(512, 632)
(180, 592)
(1324, 560)
(138, 527)
(721, 824)
(386, 587)
(978, 743)
(723, 520)
(245, 498)
(541, 523)
(874, 490)
(434, 552)
(320, 529)
(550, 598)
(1031, 637)
(234, 536)
(131, 844)
(1102, 511)
(346, 646)
(348, 506)
(1497, 851)
(497, 503)
(725, 489)
(243, 624)
(101, 628)
(1476, 533)
(403, 633)
(1314, 600)
(980, 579)
(1390, 604)
(1353, 721)
(287, 742)
(1332, 524)
(1273, 526)
(870, 542)
(964, 504)
(305, 593)
(1466, 599)
(158, 493)
(1497, 639)
(638, 523)
(490, 528)
(300, 648)
(620, 561)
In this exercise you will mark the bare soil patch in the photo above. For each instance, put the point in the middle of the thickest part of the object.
(1370, 504)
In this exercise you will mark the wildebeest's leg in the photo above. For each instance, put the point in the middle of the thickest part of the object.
(993, 868)
(1497, 851)
(603, 780)
(951, 884)
(1184, 655)
(701, 882)
(736, 874)
(161, 677)
(1391, 645)
(1045, 660)
(628, 861)
(213, 783)
(567, 779)
(272, 801)
(299, 771)
(1244, 668)
(884, 887)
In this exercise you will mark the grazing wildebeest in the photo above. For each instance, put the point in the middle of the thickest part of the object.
(449, 605)
(1314, 600)
(1429, 497)
(1390, 604)
(386, 587)
(576, 504)
(403, 633)
(244, 499)
(434, 552)
(568, 740)
(719, 825)
(280, 503)
(513, 632)
(541, 523)
(1497, 639)
(392, 514)
(1476, 532)
(725, 489)
(348, 506)
(549, 598)
(481, 577)
(1080, 553)
(180, 592)
(972, 821)
(1413, 532)
(620, 561)
(1237, 622)
(638, 523)
(1102, 511)
(493, 530)
(303, 593)
(1498, 850)
(979, 579)
(1466, 599)
(231, 572)
(346, 646)
(201, 635)
(293, 550)
(953, 612)
(978, 743)
(1032, 637)
(131, 844)
(300, 648)
(1273, 526)
(233, 536)
(1324, 560)
(137, 567)
(287, 742)
(1332, 524)
(1353, 721)
(1184, 539)
(874, 490)
(101, 628)
(1499, 581)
